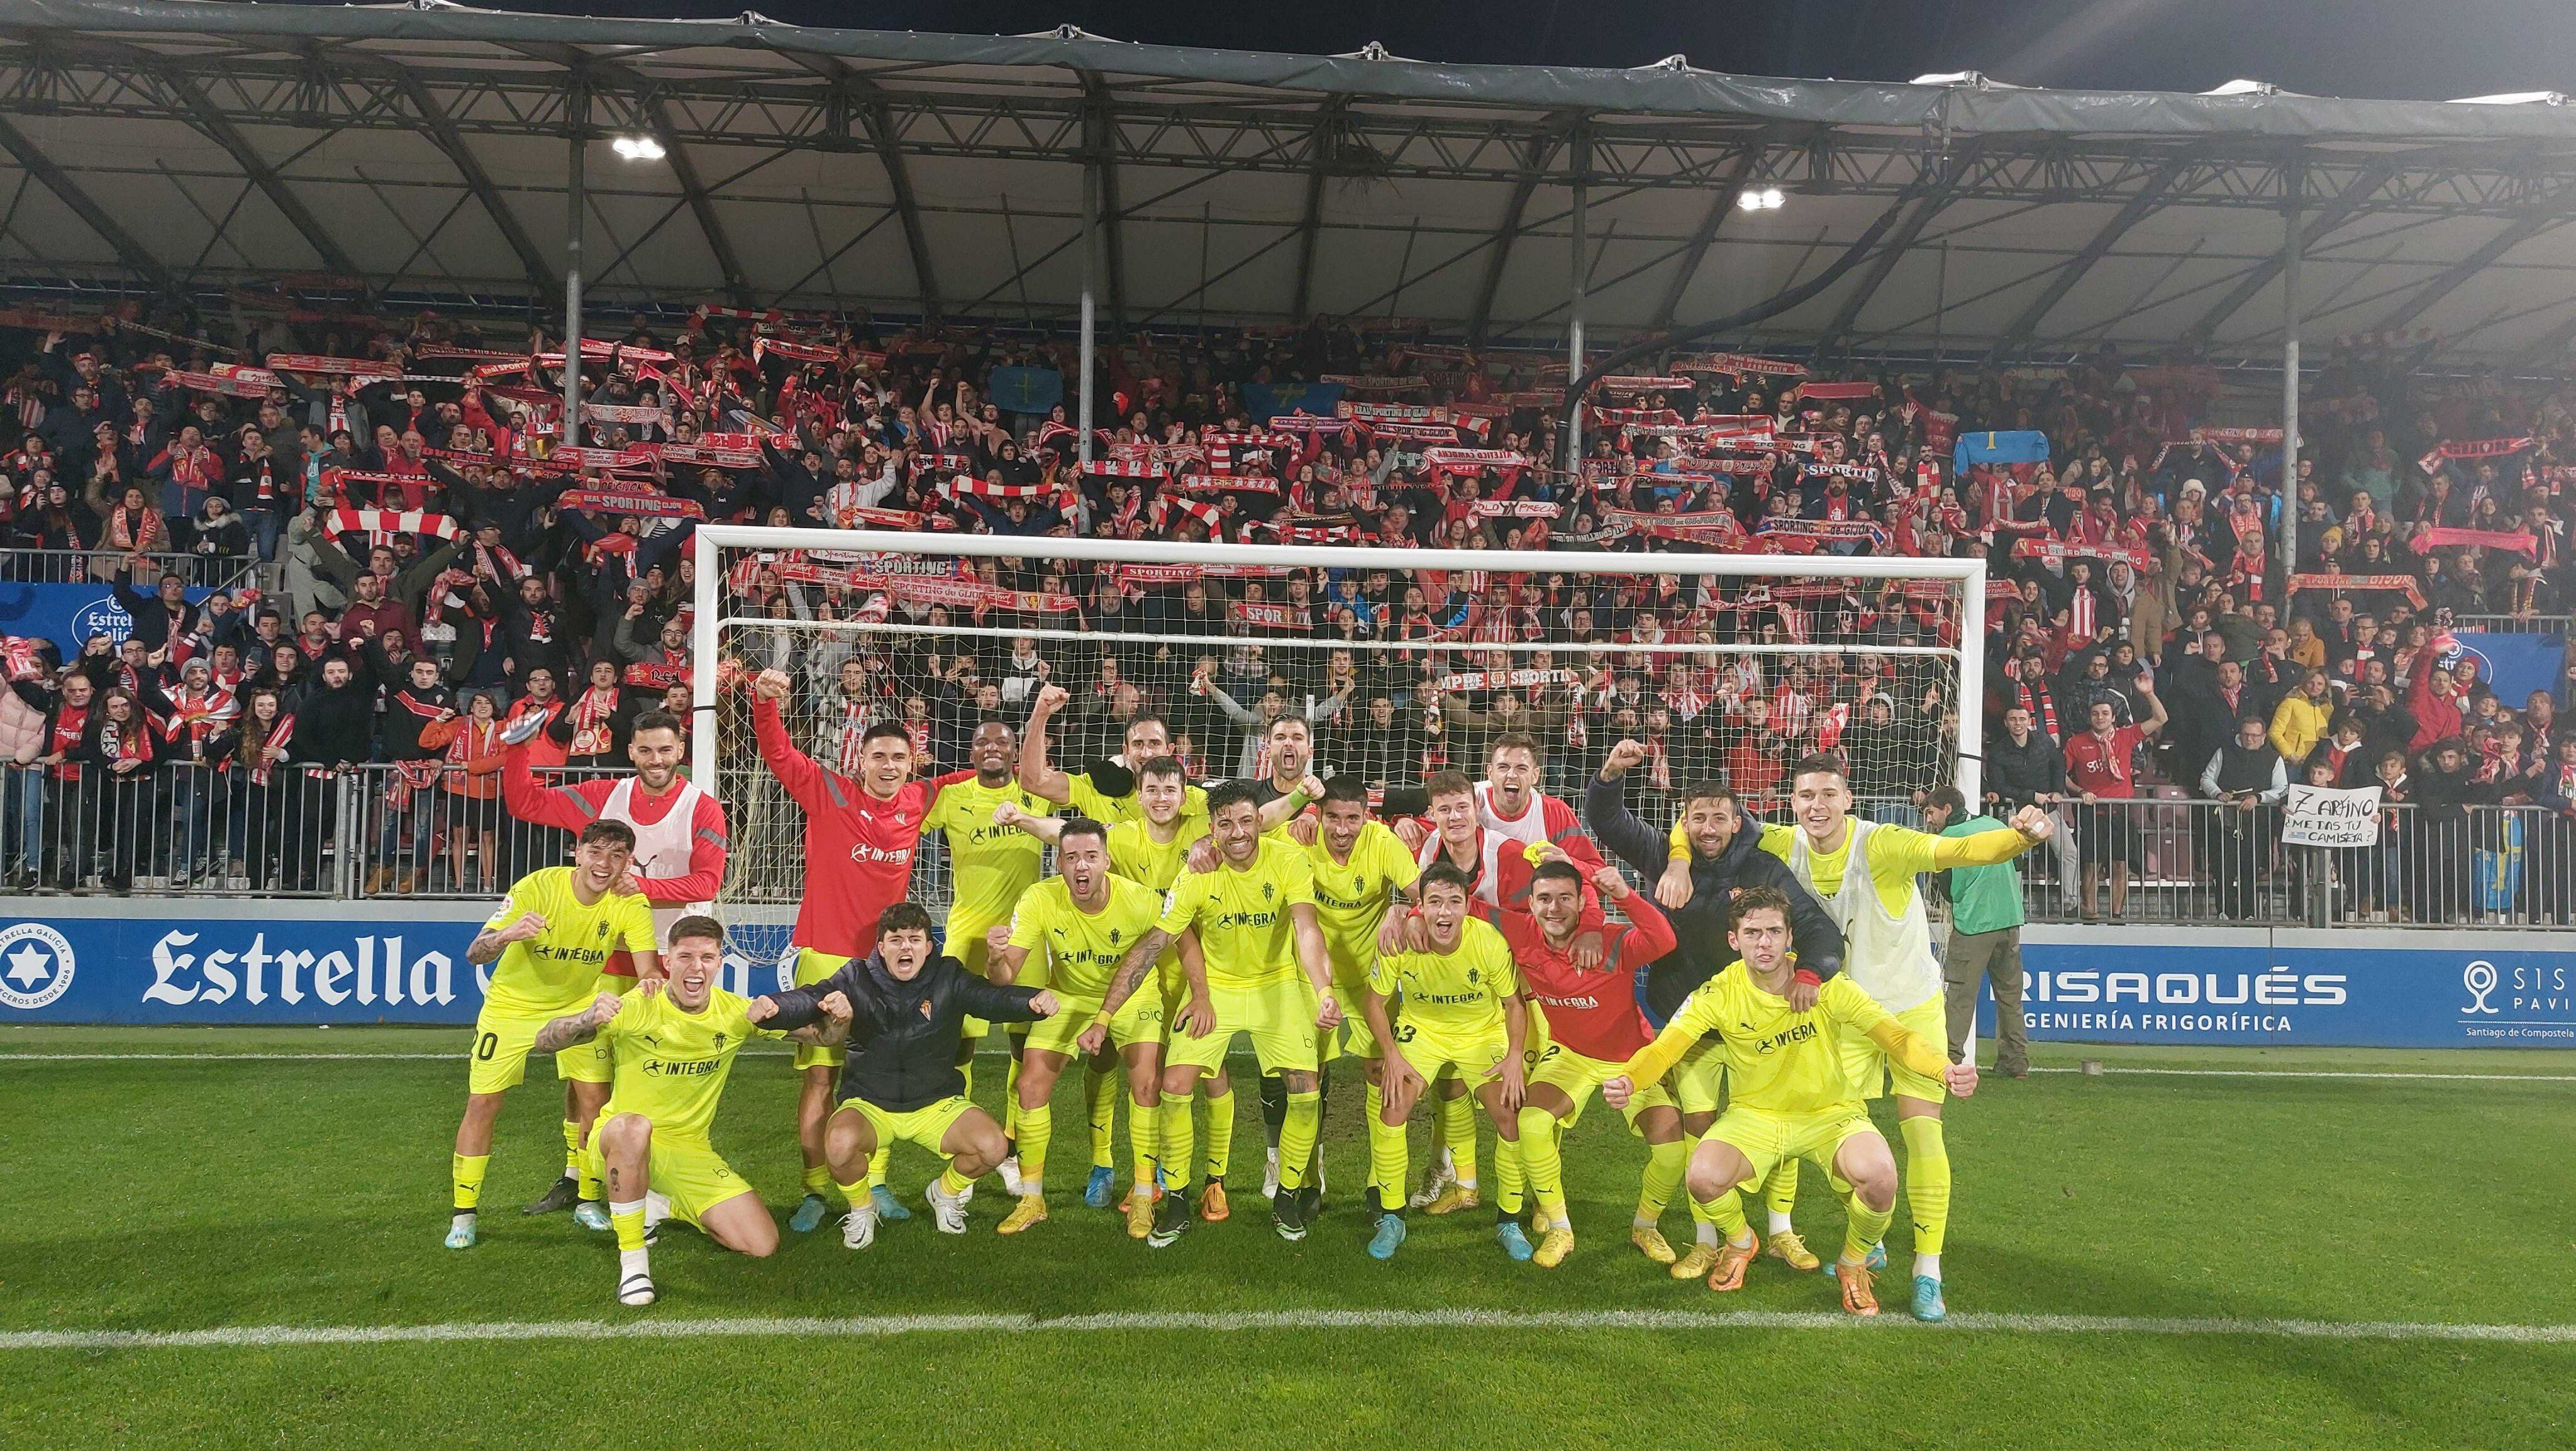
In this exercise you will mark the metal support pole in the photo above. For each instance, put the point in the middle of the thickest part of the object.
(1582, 157)
(1090, 276)
(2290, 390)
(572, 277)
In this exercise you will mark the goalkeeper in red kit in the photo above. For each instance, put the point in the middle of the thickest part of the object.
(860, 839)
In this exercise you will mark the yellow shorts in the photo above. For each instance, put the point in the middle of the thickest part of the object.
(1476, 1058)
(499, 1058)
(1698, 1081)
(1350, 989)
(1279, 1017)
(1868, 1069)
(923, 1127)
(1575, 1075)
(688, 1172)
(1767, 1139)
(965, 942)
(812, 967)
(1140, 1020)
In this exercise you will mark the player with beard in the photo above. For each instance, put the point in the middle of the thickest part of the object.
(860, 838)
(990, 866)
(679, 861)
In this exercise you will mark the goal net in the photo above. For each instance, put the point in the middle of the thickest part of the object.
(1403, 661)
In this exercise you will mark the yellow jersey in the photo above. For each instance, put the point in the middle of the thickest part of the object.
(1242, 914)
(989, 866)
(1135, 855)
(557, 970)
(1779, 1061)
(1085, 799)
(1351, 897)
(672, 1063)
(1084, 948)
(1454, 994)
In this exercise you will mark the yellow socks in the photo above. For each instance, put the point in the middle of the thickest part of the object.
(1297, 1133)
(1010, 1094)
(1220, 1135)
(1927, 1183)
(1387, 1152)
(1510, 1176)
(1539, 1157)
(1101, 1091)
(1664, 1166)
(1145, 1139)
(817, 1179)
(1690, 1146)
(1726, 1213)
(1456, 1119)
(1037, 1128)
(952, 1181)
(465, 1172)
(1180, 1140)
(877, 1164)
(629, 1220)
(1863, 1227)
(576, 1162)
(1780, 1195)
(857, 1193)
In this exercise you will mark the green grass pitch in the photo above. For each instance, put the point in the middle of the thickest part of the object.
(2175, 1215)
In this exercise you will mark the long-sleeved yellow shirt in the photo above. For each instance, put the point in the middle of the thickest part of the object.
(1779, 1061)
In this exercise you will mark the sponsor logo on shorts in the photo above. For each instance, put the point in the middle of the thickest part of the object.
(36, 965)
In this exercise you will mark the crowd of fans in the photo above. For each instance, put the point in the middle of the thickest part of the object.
(410, 558)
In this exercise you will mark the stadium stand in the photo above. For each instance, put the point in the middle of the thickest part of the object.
(389, 533)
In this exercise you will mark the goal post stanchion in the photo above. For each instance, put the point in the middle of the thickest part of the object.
(1912, 657)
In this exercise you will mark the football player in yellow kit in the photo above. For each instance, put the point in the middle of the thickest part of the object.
(1791, 1094)
(1079, 924)
(548, 941)
(674, 1048)
(1463, 1011)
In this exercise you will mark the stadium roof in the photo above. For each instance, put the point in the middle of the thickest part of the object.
(421, 151)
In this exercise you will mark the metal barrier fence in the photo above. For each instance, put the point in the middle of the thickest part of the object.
(368, 833)
(102, 567)
(2560, 625)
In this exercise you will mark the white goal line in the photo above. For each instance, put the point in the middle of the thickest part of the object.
(1130, 1322)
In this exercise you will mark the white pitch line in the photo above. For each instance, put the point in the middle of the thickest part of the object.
(2325, 1073)
(879, 1327)
(257, 1057)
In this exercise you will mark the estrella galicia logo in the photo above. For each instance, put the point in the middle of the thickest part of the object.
(102, 616)
(2479, 978)
(36, 965)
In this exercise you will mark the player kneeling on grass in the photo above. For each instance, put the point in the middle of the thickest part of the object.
(1462, 1010)
(552, 935)
(1083, 921)
(907, 1007)
(674, 1046)
(1790, 1095)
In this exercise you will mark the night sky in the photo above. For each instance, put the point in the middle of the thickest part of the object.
(2412, 49)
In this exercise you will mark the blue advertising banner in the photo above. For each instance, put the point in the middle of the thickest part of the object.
(67, 614)
(2513, 666)
(205, 964)
(2298, 986)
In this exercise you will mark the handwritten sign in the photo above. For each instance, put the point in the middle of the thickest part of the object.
(2323, 816)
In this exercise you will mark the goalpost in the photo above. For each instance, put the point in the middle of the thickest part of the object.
(906, 613)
